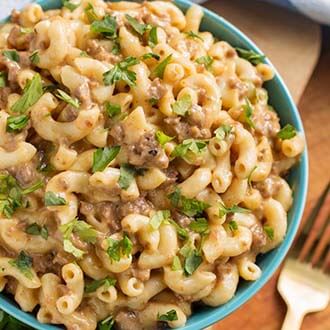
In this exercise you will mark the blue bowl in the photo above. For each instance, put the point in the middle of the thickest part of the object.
(280, 99)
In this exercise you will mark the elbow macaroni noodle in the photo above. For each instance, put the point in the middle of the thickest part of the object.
(141, 167)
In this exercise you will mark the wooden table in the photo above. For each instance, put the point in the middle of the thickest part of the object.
(266, 310)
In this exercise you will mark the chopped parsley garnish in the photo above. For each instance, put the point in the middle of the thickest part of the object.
(250, 56)
(192, 262)
(223, 210)
(94, 285)
(11, 55)
(37, 230)
(107, 27)
(153, 101)
(269, 232)
(12, 194)
(153, 38)
(160, 68)
(102, 157)
(23, 263)
(81, 228)
(121, 72)
(67, 98)
(137, 27)
(193, 35)
(182, 105)
(162, 138)
(222, 132)
(249, 178)
(68, 4)
(24, 30)
(127, 174)
(169, 316)
(232, 225)
(34, 57)
(200, 226)
(16, 123)
(188, 148)
(248, 112)
(52, 199)
(176, 264)
(3, 79)
(31, 94)
(150, 55)
(115, 46)
(207, 61)
(183, 233)
(189, 206)
(90, 13)
(106, 324)
(112, 109)
(287, 132)
(158, 218)
(119, 248)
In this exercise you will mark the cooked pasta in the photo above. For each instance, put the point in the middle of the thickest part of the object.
(141, 166)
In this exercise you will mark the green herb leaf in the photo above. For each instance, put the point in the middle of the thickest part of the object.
(90, 13)
(119, 248)
(52, 199)
(112, 109)
(162, 138)
(94, 285)
(120, 72)
(232, 225)
(35, 229)
(37, 185)
(11, 55)
(193, 35)
(138, 27)
(107, 27)
(176, 264)
(106, 324)
(207, 61)
(3, 79)
(182, 105)
(68, 4)
(70, 248)
(188, 147)
(150, 55)
(249, 178)
(67, 98)
(84, 230)
(16, 123)
(189, 206)
(115, 46)
(153, 38)
(222, 132)
(183, 233)
(169, 316)
(31, 94)
(160, 68)
(34, 57)
(153, 101)
(103, 157)
(127, 173)
(23, 263)
(250, 56)
(24, 30)
(269, 232)
(158, 218)
(223, 210)
(248, 111)
(192, 262)
(287, 132)
(200, 226)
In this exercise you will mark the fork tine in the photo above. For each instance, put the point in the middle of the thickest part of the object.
(321, 246)
(319, 223)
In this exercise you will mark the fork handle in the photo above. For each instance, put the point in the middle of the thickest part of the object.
(293, 319)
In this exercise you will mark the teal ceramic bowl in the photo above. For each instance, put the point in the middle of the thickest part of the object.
(281, 100)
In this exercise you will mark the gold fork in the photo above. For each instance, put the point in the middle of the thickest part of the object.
(303, 282)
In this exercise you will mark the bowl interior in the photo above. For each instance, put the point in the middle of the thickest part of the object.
(281, 100)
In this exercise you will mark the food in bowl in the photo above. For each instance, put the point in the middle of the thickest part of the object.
(142, 168)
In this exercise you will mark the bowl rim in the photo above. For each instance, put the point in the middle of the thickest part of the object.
(220, 312)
